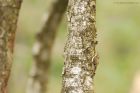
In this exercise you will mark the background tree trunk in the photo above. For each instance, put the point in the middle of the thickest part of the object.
(43, 47)
(81, 58)
(9, 10)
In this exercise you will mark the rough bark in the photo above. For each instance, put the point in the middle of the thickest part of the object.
(81, 58)
(43, 47)
(9, 10)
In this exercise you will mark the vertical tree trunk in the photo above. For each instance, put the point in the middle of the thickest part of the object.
(43, 47)
(80, 56)
(9, 10)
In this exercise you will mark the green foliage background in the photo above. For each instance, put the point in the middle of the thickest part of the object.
(118, 28)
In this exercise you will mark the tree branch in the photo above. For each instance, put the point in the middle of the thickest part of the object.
(43, 47)
(9, 11)
(81, 58)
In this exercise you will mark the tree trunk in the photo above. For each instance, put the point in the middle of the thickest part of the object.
(81, 58)
(9, 10)
(43, 47)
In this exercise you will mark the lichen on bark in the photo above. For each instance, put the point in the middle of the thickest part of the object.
(80, 55)
(9, 10)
